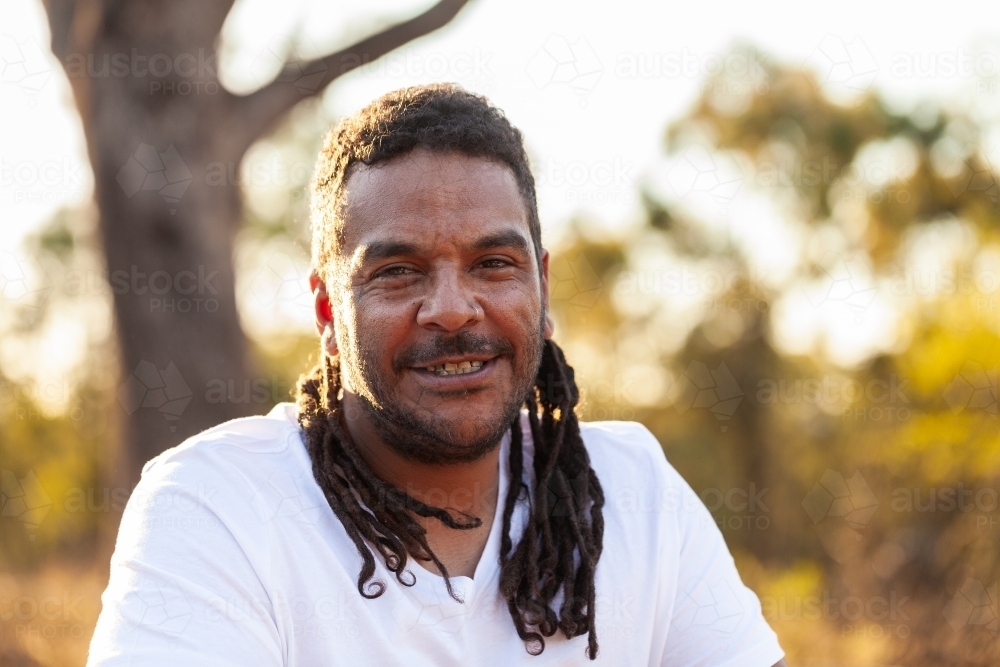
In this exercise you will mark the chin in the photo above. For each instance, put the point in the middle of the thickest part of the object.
(467, 428)
(455, 435)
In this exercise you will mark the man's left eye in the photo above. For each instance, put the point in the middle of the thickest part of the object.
(494, 263)
(393, 272)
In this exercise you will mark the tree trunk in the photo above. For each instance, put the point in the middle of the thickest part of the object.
(165, 141)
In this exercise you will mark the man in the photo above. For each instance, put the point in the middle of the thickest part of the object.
(432, 498)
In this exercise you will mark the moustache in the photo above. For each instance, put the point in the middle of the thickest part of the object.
(464, 342)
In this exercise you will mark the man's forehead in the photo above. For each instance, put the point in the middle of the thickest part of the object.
(424, 198)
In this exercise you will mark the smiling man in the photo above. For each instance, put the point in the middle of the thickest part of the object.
(431, 499)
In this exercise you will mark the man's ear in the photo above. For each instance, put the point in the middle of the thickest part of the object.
(324, 314)
(550, 325)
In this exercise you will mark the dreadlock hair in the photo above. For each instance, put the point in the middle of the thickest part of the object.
(563, 536)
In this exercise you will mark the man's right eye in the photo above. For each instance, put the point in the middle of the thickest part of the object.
(394, 272)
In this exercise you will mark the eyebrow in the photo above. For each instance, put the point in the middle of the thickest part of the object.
(507, 238)
(379, 250)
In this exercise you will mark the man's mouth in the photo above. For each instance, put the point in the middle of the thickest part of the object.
(463, 367)
(460, 368)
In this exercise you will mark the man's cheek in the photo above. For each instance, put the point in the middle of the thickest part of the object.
(418, 398)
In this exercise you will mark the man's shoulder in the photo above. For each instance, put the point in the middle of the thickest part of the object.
(622, 434)
(623, 447)
(272, 433)
(231, 453)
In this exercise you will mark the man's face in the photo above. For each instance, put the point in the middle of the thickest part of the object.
(439, 307)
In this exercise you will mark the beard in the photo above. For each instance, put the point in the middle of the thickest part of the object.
(416, 434)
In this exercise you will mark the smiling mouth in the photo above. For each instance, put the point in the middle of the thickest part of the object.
(461, 368)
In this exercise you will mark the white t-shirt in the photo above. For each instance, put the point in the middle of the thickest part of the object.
(229, 555)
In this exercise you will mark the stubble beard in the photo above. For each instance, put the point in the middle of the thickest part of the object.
(414, 433)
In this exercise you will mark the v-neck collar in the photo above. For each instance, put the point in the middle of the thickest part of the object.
(488, 567)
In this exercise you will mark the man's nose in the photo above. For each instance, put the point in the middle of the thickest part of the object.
(450, 304)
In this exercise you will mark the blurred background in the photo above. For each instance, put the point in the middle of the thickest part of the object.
(775, 237)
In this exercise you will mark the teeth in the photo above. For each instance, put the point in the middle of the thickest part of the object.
(460, 368)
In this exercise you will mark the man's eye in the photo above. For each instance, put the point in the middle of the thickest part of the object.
(494, 263)
(394, 272)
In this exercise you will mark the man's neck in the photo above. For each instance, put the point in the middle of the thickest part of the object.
(469, 488)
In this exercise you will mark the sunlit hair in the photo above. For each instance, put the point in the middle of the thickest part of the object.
(554, 561)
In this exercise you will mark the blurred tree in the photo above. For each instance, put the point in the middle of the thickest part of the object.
(167, 221)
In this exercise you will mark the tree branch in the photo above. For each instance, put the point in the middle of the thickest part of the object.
(60, 14)
(257, 112)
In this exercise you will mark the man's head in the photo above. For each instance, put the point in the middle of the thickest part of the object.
(430, 280)
(440, 117)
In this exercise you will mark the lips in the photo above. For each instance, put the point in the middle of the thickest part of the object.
(428, 355)
(457, 373)
(461, 364)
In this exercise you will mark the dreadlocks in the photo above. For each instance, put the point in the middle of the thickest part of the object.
(562, 538)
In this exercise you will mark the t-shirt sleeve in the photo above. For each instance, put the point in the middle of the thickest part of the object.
(715, 620)
(185, 585)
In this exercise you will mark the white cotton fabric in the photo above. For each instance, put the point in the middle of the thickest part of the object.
(229, 554)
